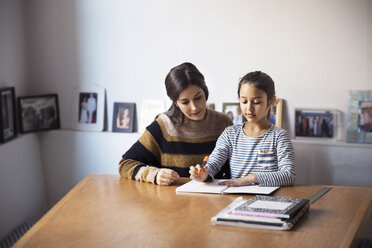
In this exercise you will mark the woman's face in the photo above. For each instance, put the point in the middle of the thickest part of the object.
(192, 103)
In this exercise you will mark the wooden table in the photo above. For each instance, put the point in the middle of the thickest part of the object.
(109, 211)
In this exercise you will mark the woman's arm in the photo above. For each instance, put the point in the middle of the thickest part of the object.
(135, 162)
(142, 161)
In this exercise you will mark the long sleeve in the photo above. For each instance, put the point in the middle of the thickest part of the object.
(141, 161)
(164, 145)
(270, 157)
(219, 155)
(286, 173)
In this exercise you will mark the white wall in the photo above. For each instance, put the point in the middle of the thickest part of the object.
(330, 163)
(22, 186)
(12, 51)
(316, 51)
(69, 156)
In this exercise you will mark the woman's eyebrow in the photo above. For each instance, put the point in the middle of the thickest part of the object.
(186, 99)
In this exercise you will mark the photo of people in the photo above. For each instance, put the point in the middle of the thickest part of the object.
(39, 113)
(88, 107)
(7, 114)
(272, 119)
(365, 116)
(123, 118)
(314, 124)
(233, 111)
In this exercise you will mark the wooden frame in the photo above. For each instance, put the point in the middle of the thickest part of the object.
(38, 113)
(316, 123)
(8, 127)
(276, 113)
(123, 117)
(88, 108)
(359, 117)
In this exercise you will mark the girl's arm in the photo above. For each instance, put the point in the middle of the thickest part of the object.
(220, 154)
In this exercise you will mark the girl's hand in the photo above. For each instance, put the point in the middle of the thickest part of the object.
(166, 177)
(198, 173)
(243, 181)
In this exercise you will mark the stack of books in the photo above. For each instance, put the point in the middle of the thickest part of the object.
(269, 212)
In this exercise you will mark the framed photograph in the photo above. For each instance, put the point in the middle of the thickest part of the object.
(148, 112)
(123, 117)
(359, 117)
(211, 106)
(8, 128)
(232, 109)
(316, 123)
(276, 113)
(88, 108)
(38, 113)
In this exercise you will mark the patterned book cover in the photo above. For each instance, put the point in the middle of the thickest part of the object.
(274, 206)
(274, 223)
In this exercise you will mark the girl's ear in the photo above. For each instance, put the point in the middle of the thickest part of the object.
(272, 101)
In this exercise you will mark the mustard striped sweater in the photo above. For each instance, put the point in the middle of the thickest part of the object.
(163, 145)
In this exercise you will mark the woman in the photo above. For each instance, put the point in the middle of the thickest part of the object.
(180, 137)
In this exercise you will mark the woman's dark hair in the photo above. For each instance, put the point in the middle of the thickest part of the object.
(177, 80)
(261, 81)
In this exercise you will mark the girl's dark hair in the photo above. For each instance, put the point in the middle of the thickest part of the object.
(261, 81)
(177, 80)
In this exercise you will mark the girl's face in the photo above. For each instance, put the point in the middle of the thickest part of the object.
(254, 105)
(192, 103)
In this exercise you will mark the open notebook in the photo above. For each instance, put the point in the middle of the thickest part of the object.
(214, 188)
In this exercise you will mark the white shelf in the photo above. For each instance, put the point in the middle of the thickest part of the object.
(320, 141)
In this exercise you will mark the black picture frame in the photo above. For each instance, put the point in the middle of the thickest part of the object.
(123, 117)
(38, 113)
(8, 127)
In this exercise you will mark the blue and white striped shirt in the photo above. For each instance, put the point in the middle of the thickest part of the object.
(270, 157)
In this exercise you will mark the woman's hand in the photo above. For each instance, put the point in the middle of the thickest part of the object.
(166, 177)
(198, 173)
(247, 180)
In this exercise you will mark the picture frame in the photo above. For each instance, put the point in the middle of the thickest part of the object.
(8, 126)
(38, 113)
(317, 123)
(276, 113)
(211, 106)
(148, 112)
(123, 117)
(88, 108)
(359, 117)
(232, 109)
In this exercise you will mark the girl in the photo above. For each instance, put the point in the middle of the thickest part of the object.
(178, 138)
(259, 152)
